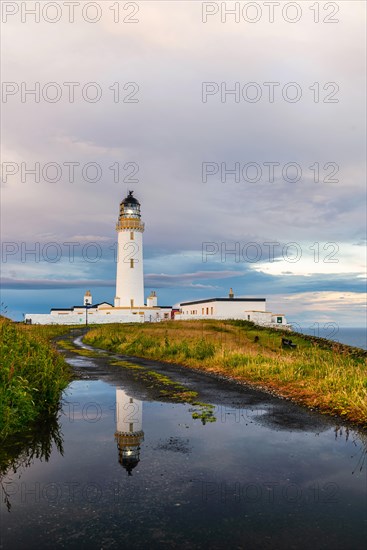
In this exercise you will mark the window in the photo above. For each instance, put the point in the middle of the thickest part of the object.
(202, 311)
(132, 302)
(131, 235)
(131, 263)
(207, 311)
(211, 310)
(131, 428)
(248, 317)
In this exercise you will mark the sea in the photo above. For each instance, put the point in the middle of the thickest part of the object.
(352, 336)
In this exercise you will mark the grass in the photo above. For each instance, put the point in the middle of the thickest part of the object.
(318, 373)
(32, 374)
(68, 345)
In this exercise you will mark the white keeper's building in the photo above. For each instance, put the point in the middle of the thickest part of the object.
(129, 305)
(248, 309)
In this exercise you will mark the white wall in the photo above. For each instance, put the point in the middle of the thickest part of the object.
(107, 315)
(73, 319)
(238, 309)
(247, 311)
(275, 319)
(220, 310)
(259, 317)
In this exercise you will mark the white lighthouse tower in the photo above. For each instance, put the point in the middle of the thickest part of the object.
(130, 276)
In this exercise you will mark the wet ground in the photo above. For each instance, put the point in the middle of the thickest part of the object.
(127, 466)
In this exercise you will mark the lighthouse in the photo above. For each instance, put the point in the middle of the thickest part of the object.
(129, 429)
(130, 275)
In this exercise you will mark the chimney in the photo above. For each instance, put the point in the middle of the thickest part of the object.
(152, 300)
(88, 298)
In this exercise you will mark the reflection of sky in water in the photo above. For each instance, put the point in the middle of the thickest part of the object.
(79, 362)
(236, 481)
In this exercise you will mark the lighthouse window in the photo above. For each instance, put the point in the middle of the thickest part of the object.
(131, 263)
(131, 235)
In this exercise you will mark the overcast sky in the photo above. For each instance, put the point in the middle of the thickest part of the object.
(159, 115)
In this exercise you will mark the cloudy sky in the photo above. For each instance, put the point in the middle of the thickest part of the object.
(241, 134)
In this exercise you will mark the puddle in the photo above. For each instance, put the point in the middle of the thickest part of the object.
(126, 469)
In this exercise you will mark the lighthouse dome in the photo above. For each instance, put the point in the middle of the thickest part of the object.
(130, 199)
(130, 207)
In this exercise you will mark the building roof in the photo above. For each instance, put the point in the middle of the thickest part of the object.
(223, 300)
(259, 311)
(94, 306)
(83, 307)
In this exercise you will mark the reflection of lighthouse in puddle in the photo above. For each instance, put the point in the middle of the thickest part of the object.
(129, 433)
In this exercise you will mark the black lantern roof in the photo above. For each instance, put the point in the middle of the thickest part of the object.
(130, 199)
